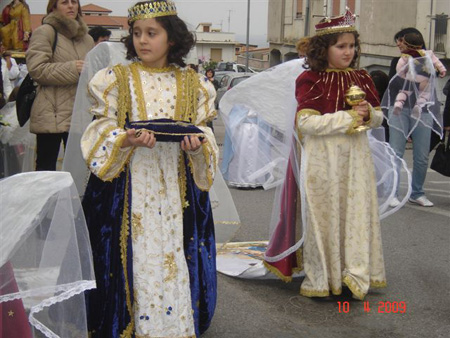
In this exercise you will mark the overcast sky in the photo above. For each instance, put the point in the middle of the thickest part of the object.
(194, 11)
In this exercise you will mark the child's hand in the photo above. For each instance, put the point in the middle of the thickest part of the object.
(139, 139)
(363, 111)
(442, 74)
(191, 143)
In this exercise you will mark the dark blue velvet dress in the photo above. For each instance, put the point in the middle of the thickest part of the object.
(103, 204)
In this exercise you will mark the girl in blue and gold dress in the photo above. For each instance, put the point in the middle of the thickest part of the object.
(147, 204)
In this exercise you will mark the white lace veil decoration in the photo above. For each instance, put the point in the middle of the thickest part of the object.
(270, 96)
(415, 86)
(107, 54)
(45, 260)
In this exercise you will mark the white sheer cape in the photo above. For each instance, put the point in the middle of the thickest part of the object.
(45, 252)
(106, 54)
(271, 96)
(414, 86)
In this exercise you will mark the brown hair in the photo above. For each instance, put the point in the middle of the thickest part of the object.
(302, 45)
(52, 5)
(317, 51)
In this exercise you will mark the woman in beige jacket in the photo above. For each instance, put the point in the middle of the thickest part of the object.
(57, 75)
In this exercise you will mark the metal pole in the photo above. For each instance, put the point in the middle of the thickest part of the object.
(248, 35)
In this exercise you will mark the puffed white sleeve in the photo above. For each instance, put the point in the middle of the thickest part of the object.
(102, 140)
(204, 160)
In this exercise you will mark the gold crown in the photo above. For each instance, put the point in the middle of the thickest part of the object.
(151, 9)
(411, 46)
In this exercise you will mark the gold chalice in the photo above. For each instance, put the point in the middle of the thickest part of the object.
(353, 96)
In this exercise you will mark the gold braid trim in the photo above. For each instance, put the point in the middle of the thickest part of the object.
(304, 112)
(123, 107)
(354, 288)
(167, 69)
(138, 91)
(314, 293)
(178, 104)
(207, 154)
(105, 94)
(113, 158)
(124, 97)
(307, 112)
(276, 272)
(97, 145)
(187, 95)
(182, 180)
(352, 128)
(378, 284)
(279, 274)
(337, 70)
(124, 234)
(299, 254)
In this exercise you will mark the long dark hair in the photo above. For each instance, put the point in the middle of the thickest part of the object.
(317, 51)
(400, 34)
(178, 34)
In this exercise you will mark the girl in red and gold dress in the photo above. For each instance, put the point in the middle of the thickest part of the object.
(342, 241)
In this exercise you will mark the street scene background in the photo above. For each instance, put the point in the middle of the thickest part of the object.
(416, 252)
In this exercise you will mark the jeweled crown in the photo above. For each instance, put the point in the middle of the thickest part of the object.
(151, 9)
(339, 24)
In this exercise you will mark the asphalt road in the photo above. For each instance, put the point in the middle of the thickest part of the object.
(416, 244)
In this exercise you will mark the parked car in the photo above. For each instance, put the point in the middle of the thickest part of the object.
(228, 81)
(220, 74)
(233, 67)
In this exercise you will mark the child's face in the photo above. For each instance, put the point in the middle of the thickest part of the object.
(151, 43)
(401, 44)
(340, 55)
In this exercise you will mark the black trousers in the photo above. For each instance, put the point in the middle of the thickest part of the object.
(47, 150)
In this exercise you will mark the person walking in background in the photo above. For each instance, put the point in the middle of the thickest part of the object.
(16, 30)
(100, 34)
(56, 72)
(156, 270)
(410, 121)
(210, 73)
(414, 49)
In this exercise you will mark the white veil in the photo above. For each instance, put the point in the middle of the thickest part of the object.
(46, 262)
(415, 84)
(271, 94)
(107, 54)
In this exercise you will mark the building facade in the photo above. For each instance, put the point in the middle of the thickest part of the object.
(214, 45)
(377, 22)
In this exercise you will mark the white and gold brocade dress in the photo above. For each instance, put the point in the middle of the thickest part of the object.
(343, 237)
